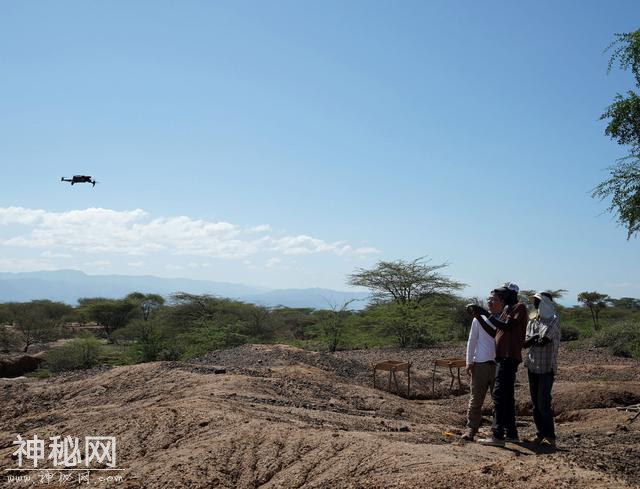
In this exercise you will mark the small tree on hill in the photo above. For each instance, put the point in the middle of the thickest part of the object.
(333, 323)
(595, 301)
(404, 282)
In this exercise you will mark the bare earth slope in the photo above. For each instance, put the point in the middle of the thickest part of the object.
(283, 417)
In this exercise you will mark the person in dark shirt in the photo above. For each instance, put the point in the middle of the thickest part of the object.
(509, 329)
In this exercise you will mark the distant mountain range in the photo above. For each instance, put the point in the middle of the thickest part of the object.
(69, 285)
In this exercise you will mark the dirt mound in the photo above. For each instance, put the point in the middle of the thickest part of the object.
(354, 367)
(17, 366)
(596, 364)
(254, 359)
(294, 421)
(569, 397)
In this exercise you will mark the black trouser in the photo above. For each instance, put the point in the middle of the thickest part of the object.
(504, 403)
(540, 386)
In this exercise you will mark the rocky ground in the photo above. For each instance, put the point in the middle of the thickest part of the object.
(276, 416)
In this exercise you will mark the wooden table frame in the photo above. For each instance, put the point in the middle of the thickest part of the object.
(392, 367)
(451, 363)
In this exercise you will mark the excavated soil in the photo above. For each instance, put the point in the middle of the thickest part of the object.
(274, 416)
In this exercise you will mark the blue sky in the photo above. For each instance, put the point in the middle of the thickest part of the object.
(286, 143)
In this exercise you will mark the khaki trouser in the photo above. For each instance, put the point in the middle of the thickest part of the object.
(482, 378)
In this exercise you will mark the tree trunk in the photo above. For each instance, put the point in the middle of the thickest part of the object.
(593, 318)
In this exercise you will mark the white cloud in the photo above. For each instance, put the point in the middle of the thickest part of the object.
(135, 233)
(51, 254)
(276, 263)
(20, 215)
(262, 228)
(369, 250)
(306, 245)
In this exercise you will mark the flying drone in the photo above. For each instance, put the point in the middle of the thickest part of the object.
(79, 179)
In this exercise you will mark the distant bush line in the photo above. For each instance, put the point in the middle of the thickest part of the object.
(146, 327)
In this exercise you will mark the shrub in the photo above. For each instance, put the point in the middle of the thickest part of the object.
(423, 339)
(148, 339)
(205, 337)
(622, 339)
(569, 333)
(41, 373)
(170, 353)
(9, 340)
(78, 353)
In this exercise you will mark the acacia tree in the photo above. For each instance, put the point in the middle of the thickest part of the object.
(625, 303)
(557, 293)
(404, 282)
(111, 314)
(399, 289)
(333, 323)
(623, 186)
(525, 294)
(595, 301)
(39, 321)
(146, 302)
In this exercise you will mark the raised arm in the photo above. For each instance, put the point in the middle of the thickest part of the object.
(512, 320)
(491, 331)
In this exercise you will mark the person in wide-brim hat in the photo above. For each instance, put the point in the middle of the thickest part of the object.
(543, 341)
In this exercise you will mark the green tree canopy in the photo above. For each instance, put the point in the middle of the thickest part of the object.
(625, 303)
(404, 282)
(595, 301)
(623, 185)
(146, 302)
(111, 314)
(39, 321)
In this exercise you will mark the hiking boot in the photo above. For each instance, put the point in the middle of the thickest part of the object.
(549, 441)
(469, 435)
(535, 440)
(492, 441)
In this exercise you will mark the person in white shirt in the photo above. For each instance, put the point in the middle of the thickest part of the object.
(481, 366)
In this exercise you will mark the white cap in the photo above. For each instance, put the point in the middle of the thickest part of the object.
(512, 286)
